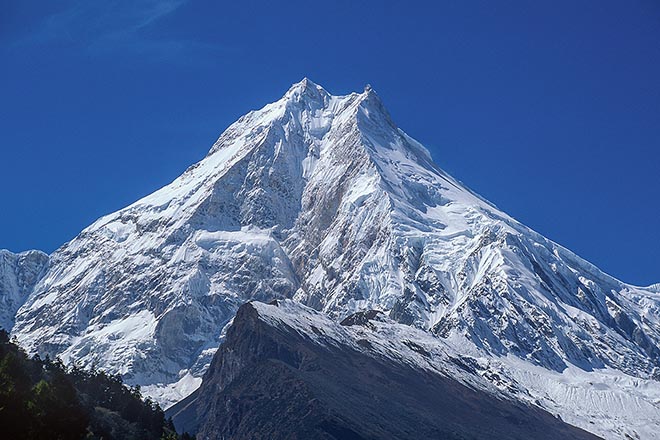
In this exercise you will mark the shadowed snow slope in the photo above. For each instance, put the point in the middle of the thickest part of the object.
(322, 199)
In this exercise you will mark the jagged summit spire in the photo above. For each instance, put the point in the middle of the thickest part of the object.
(307, 84)
(312, 107)
(304, 83)
(306, 88)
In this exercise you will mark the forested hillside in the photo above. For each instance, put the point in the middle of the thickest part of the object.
(44, 399)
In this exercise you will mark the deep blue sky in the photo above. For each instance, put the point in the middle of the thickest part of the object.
(551, 109)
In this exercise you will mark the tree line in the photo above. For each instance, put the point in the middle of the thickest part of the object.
(43, 399)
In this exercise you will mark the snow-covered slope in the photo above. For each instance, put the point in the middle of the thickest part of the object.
(323, 199)
(18, 275)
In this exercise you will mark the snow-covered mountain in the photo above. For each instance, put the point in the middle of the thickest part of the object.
(322, 199)
(18, 275)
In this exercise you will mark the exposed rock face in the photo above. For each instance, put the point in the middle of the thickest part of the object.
(323, 199)
(18, 275)
(270, 380)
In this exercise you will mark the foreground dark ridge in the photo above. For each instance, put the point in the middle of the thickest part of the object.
(270, 381)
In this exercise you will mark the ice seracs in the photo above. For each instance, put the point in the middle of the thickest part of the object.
(323, 199)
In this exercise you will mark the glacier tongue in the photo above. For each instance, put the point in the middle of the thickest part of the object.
(323, 199)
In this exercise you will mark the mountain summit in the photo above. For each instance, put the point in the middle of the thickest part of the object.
(324, 200)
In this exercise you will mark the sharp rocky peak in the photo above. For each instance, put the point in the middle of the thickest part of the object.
(307, 99)
(306, 89)
(311, 111)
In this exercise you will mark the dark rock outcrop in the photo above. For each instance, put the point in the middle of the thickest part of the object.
(269, 381)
